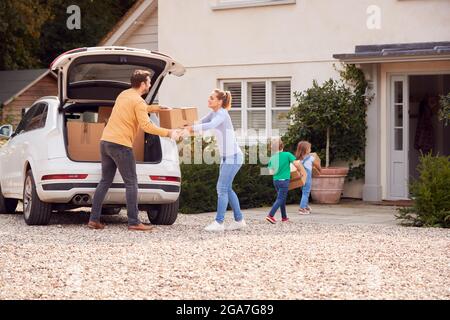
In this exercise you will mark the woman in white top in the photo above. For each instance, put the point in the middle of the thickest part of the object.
(231, 158)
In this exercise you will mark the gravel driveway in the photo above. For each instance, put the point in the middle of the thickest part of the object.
(295, 260)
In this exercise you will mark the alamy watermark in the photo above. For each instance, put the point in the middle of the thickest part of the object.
(213, 149)
(373, 21)
(74, 20)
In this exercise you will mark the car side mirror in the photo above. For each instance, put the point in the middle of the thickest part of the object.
(6, 131)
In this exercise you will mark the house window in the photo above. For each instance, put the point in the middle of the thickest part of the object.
(261, 104)
(236, 104)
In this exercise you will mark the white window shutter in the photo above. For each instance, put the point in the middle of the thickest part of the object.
(235, 89)
(281, 94)
(281, 103)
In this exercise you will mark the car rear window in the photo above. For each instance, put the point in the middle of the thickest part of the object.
(104, 72)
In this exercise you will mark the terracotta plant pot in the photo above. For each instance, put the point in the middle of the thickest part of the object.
(328, 186)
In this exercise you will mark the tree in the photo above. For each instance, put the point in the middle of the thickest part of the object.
(20, 29)
(97, 18)
(34, 32)
(332, 116)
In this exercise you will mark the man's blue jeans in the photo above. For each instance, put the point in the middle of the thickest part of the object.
(228, 170)
(282, 187)
(115, 156)
(306, 190)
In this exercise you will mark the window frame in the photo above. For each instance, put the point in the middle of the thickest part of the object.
(238, 4)
(25, 119)
(42, 120)
(244, 109)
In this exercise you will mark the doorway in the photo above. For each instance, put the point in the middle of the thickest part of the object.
(426, 132)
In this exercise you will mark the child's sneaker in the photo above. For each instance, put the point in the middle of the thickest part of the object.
(271, 219)
(303, 211)
(215, 227)
(285, 220)
(237, 225)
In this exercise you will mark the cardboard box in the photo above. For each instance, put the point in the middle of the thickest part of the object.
(138, 145)
(103, 114)
(177, 118)
(84, 140)
(298, 179)
(190, 115)
(171, 119)
(316, 164)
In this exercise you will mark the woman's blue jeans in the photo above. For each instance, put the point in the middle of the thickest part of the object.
(229, 167)
(282, 187)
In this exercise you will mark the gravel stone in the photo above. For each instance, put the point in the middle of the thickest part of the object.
(294, 260)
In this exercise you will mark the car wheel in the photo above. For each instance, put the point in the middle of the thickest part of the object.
(7, 205)
(111, 211)
(35, 211)
(164, 214)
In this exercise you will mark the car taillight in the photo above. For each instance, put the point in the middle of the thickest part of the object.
(165, 178)
(64, 176)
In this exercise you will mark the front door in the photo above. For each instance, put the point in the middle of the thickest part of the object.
(398, 137)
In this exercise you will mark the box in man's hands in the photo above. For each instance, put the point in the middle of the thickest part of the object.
(177, 118)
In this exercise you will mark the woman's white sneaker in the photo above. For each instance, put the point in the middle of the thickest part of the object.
(215, 227)
(237, 225)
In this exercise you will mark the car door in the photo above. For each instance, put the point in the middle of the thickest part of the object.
(23, 143)
(10, 156)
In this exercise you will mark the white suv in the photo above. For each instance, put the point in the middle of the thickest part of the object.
(51, 166)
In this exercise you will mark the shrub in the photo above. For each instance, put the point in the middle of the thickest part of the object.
(444, 110)
(431, 194)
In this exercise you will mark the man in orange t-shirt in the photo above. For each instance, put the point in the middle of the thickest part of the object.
(129, 113)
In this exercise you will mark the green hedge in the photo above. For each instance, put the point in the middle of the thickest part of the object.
(431, 194)
(198, 187)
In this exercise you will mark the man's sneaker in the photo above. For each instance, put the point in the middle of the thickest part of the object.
(309, 209)
(141, 227)
(271, 219)
(215, 227)
(237, 225)
(96, 225)
(303, 211)
(285, 220)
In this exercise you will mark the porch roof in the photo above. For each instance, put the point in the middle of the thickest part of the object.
(398, 52)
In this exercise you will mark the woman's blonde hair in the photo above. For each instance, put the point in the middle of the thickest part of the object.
(302, 147)
(225, 97)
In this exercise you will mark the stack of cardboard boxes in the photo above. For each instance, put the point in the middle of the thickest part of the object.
(84, 137)
(84, 140)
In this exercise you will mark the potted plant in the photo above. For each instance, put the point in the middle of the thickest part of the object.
(332, 117)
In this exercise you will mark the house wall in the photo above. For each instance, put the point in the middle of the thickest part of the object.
(144, 32)
(293, 40)
(47, 86)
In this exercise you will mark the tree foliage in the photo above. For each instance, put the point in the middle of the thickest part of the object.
(34, 32)
(444, 110)
(20, 31)
(339, 106)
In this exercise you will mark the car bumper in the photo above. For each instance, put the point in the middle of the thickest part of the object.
(64, 191)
